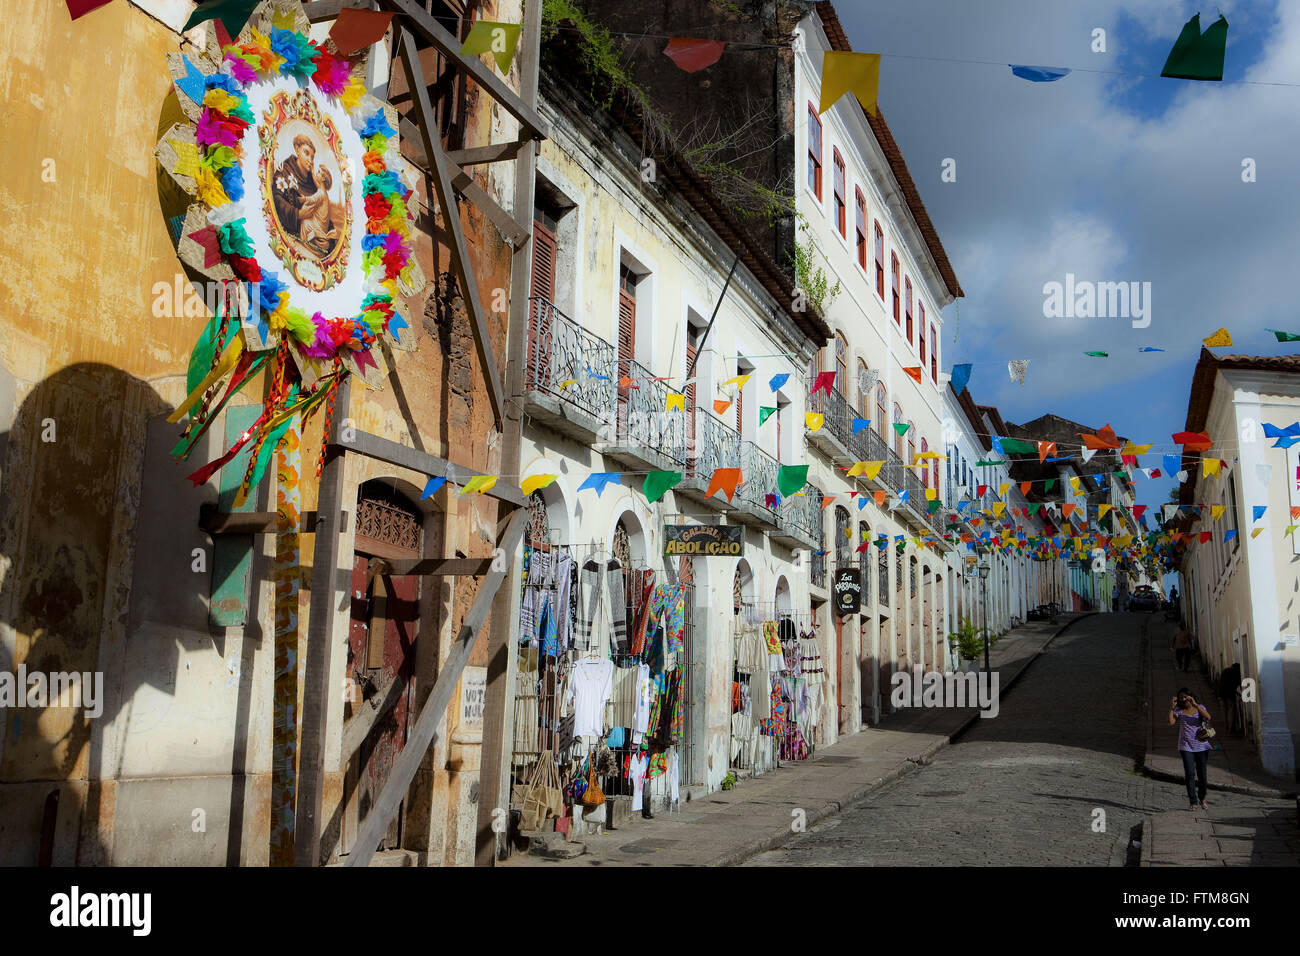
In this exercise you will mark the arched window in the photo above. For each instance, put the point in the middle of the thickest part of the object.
(882, 403)
(841, 363)
(925, 469)
(539, 523)
(843, 538)
(864, 561)
(860, 226)
(911, 442)
(907, 306)
(882, 562)
(864, 390)
(898, 439)
(893, 271)
(880, 262)
(839, 189)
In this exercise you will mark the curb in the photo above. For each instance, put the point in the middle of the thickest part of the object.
(1147, 832)
(833, 807)
(1149, 771)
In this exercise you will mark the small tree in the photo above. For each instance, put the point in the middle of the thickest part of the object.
(969, 640)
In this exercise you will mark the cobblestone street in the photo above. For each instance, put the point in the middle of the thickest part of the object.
(1022, 788)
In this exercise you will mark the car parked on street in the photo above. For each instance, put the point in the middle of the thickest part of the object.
(1144, 598)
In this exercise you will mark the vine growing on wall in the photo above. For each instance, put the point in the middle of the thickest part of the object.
(809, 277)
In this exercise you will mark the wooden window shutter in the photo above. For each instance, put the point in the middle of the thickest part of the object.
(740, 410)
(626, 336)
(544, 249)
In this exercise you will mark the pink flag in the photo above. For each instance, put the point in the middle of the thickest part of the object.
(693, 55)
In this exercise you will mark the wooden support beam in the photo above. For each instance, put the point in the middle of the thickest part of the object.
(498, 718)
(442, 39)
(440, 174)
(319, 10)
(516, 233)
(425, 730)
(437, 567)
(320, 638)
(384, 449)
(216, 522)
(368, 714)
(493, 153)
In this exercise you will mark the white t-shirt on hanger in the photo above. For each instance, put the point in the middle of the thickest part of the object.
(591, 683)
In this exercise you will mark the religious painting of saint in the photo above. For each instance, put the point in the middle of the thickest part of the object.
(307, 185)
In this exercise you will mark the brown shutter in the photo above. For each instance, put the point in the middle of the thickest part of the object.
(689, 391)
(626, 337)
(544, 248)
(740, 410)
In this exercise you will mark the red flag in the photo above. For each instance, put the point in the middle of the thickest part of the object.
(724, 480)
(1046, 448)
(1194, 441)
(693, 55)
(980, 489)
(1205, 536)
(825, 380)
(915, 372)
(79, 8)
(862, 547)
(210, 240)
(357, 29)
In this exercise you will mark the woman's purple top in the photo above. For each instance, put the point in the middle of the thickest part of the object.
(1187, 727)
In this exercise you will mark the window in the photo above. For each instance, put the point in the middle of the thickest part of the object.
(907, 302)
(925, 471)
(920, 335)
(893, 270)
(898, 439)
(841, 362)
(934, 351)
(880, 262)
(882, 402)
(814, 152)
(860, 224)
(626, 327)
(544, 249)
(864, 395)
(911, 442)
(839, 190)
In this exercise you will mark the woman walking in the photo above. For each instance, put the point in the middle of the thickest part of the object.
(1190, 716)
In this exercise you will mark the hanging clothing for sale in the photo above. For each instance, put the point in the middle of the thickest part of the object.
(791, 658)
(546, 628)
(644, 613)
(775, 725)
(770, 638)
(785, 631)
(591, 683)
(602, 609)
(641, 709)
(562, 575)
(810, 658)
(669, 604)
(637, 767)
(751, 651)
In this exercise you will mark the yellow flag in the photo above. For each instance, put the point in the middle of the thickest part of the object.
(228, 359)
(858, 468)
(931, 494)
(675, 401)
(567, 382)
(1216, 512)
(873, 469)
(1219, 339)
(1102, 510)
(187, 157)
(843, 72)
(1002, 489)
(739, 381)
(1255, 533)
(479, 484)
(1075, 486)
(813, 420)
(998, 508)
(1132, 449)
(1209, 466)
(533, 482)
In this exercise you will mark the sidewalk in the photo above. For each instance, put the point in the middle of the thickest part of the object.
(1267, 837)
(1235, 767)
(730, 826)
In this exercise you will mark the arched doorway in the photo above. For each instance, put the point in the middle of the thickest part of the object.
(384, 625)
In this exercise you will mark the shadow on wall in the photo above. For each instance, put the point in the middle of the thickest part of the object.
(71, 494)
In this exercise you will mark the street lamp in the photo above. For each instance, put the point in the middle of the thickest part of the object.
(984, 587)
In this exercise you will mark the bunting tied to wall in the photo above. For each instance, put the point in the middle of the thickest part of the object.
(299, 217)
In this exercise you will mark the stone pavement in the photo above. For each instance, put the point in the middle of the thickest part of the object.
(1219, 837)
(728, 827)
(1264, 836)
(1235, 765)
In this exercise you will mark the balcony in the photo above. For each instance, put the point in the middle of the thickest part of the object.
(833, 438)
(647, 437)
(571, 377)
(711, 445)
(801, 527)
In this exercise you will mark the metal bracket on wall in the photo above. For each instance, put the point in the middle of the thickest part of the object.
(216, 522)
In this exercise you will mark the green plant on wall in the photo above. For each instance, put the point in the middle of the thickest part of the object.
(969, 640)
(809, 277)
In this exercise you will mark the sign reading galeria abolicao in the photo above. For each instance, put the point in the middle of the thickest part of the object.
(703, 541)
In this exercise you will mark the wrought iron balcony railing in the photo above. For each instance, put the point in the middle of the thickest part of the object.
(758, 471)
(643, 419)
(710, 446)
(837, 414)
(568, 362)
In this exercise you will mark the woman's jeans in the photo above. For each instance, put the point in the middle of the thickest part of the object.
(1195, 765)
(1182, 657)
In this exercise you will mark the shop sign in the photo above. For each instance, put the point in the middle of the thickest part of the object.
(848, 591)
(703, 540)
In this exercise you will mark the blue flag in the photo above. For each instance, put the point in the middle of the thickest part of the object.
(1173, 464)
(1147, 348)
(960, 376)
(860, 423)
(1229, 535)
(1039, 74)
(779, 380)
(599, 479)
(432, 487)
(1259, 511)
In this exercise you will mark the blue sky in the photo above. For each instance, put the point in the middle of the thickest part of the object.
(1106, 175)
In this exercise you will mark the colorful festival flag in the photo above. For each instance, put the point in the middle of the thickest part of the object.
(692, 55)
(1038, 74)
(657, 483)
(1196, 55)
(843, 72)
(724, 480)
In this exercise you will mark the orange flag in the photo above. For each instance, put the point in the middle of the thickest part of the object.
(1025, 486)
(1067, 510)
(1194, 441)
(724, 480)
(1295, 512)
(1046, 448)
(827, 502)
(880, 499)
(915, 371)
(721, 405)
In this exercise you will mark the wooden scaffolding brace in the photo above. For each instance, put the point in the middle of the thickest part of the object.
(447, 179)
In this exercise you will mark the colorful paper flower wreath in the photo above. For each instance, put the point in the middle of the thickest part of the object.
(236, 232)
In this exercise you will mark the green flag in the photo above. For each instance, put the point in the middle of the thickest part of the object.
(901, 428)
(658, 482)
(232, 13)
(791, 478)
(1098, 354)
(1284, 336)
(1048, 485)
(499, 39)
(764, 412)
(1034, 507)
(1197, 56)
(1014, 446)
(934, 506)
(984, 462)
